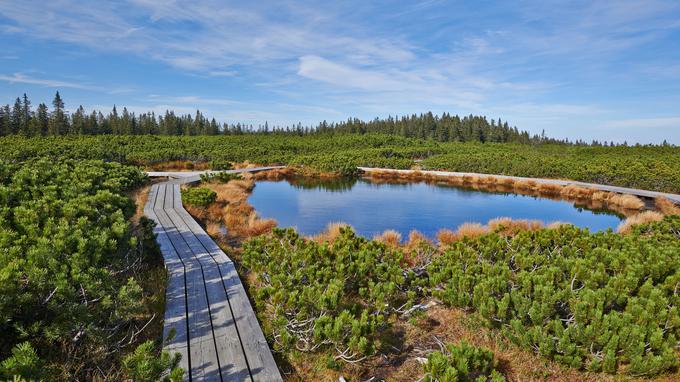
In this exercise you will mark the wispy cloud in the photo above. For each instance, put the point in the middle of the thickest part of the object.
(24, 79)
(545, 64)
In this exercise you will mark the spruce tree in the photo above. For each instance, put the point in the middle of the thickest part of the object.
(57, 122)
(4, 120)
(40, 122)
(25, 116)
(15, 121)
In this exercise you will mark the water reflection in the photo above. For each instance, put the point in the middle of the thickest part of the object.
(309, 204)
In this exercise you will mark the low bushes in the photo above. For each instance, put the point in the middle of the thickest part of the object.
(198, 196)
(462, 362)
(77, 280)
(596, 301)
(326, 297)
(600, 301)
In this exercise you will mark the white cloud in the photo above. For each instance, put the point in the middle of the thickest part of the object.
(23, 79)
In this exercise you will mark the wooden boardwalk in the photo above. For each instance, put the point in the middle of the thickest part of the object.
(207, 308)
(622, 190)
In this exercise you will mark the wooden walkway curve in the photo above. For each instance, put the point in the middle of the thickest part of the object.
(216, 330)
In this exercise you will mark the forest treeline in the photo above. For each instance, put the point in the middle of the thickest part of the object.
(22, 119)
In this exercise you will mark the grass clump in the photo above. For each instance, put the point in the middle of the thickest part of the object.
(643, 217)
(462, 362)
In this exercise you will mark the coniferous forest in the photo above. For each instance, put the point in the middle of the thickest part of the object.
(22, 119)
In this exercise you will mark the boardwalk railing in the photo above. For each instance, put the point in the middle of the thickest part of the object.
(207, 309)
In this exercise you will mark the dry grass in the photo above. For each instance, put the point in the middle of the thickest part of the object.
(331, 233)
(525, 185)
(573, 191)
(278, 174)
(666, 206)
(232, 211)
(140, 196)
(626, 201)
(472, 230)
(508, 227)
(556, 225)
(415, 240)
(621, 203)
(390, 237)
(643, 217)
(447, 237)
(452, 325)
(549, 188)
(178, 165)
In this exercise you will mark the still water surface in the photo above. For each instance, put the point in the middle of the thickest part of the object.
(309, 205)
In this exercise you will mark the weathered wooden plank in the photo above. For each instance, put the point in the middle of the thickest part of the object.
(175, 320)
(202, 349)
(260, 359)
(261, 362)
(221, 339)
(230, 354)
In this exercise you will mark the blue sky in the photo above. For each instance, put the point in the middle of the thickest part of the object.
(579, 69)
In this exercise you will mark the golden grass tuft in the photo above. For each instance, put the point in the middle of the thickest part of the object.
(257, 226)
(666, 206)
(508, 181)
(573, 191)
(627, 201)
(509, 227)
(277, 174)
(524, 185)
(331, 233)
(472, 230)
(415, 239)
(549, 189)
(556, 225)
(447, 236)
(390, 237)
(643, 217)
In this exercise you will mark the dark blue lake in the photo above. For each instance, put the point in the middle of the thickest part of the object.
(309, 205)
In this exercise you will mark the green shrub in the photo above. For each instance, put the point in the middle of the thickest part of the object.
(198, 196)
(326, 297)
(69, 266)
(24, 364)
(462, 362)
(593, 301)
(146, 364)
(219, 177)
(220, 165)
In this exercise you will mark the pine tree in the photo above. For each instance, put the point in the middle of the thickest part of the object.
(25, 116)
(40, 122)
(15, 121)
(78, 121)
(5, 120)
(58, 121)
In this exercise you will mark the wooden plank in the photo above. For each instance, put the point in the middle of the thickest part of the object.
(175, 320)
(259, 356)
(202, 349)
(260, 359)
(233, 363)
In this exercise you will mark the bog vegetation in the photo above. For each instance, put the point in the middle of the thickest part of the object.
(79, 283)
(647, 167)
(82, 286)
(601, 302)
